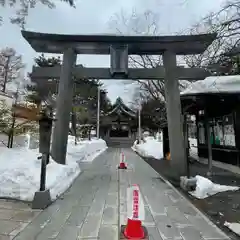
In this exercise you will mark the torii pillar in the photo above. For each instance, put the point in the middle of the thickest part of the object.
(174, 113)
(64, 106)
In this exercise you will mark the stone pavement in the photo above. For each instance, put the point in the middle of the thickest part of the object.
(95, 206)
(14, 217)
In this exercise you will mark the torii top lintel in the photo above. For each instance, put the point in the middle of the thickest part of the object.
(137, 45)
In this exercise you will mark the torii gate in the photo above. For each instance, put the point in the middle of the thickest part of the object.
(119, 48)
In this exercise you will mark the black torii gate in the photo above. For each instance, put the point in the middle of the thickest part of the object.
(119, 48)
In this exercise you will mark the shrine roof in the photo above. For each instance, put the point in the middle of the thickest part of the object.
(120, 107)
(137, 45)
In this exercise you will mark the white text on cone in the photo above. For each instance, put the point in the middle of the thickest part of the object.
(135, 205)
(122, 157)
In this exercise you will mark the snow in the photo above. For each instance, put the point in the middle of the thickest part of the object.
(206, 188)
(86, 151)
(149, 148)
(193, 147)
(193, 142)
(20, 169)
(235, 227)
(214, 84)
(159, 136)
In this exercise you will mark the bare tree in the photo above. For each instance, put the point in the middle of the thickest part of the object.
(11, 66)
(145, 23)
(10, 124)
(226, 22)
(23, 7)
(4, 115)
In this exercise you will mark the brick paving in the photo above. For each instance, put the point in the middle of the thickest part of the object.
(95, 206)
(14, 217)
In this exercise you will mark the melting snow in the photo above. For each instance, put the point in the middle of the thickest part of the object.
(206, 188)
(150, 148)
(20, 169)
(235, 227)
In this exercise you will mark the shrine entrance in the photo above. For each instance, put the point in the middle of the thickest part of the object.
(119, 126)
(119, 131)
(120, 48)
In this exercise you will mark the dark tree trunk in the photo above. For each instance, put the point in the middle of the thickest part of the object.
(74, 123)
(89, 134)
(5, 76)
(11, 134)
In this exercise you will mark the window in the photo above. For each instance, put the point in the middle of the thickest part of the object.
(229, 135)
(201, 133)
(192, 127)
(124, 128)
(222, 131)
(217, 131)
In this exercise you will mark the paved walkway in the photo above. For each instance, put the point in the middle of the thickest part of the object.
(14, 217)
(95, 206)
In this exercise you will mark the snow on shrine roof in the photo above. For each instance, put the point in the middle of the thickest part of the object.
(214, 85)
(120, 106)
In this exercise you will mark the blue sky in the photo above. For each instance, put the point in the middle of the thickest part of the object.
(93, 16)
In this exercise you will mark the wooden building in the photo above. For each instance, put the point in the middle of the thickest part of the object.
(215, 102)
(119, 126)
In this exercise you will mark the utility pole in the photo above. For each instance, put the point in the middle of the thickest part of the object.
(98, 112)
(139, 124)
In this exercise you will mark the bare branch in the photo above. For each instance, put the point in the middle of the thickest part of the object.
(24, 6)
(226, 23)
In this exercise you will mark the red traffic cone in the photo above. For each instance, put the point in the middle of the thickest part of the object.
(134, 229)
(122, 164)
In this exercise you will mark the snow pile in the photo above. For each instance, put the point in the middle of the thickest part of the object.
(235, 227)
(86, 150)
(193, 142)
(159, 136)
(20, 169)
(193, 147)
(206, 188)
(149, 148)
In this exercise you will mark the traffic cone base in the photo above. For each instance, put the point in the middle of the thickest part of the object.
(122, 165)
(134, 230)
(123, 234)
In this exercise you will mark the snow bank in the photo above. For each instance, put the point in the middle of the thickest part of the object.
(20, 169)
(150, 148)
(235, 227)
(86, 150)
(193, 142)
(193, 147)
(206, 188)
